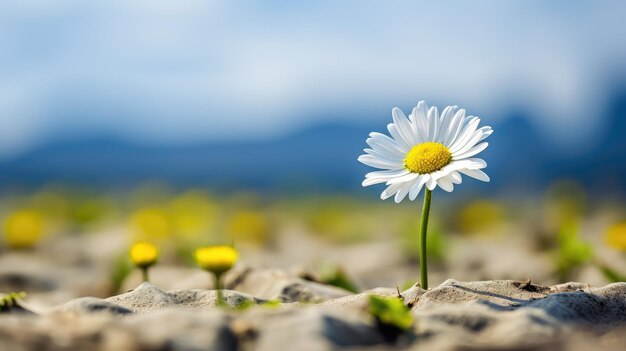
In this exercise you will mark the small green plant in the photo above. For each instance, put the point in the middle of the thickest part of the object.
(10, 300)
(615, 237)
(392, 317)
(337, 276)
(120, 270)
(272, 303)
(612, 275)
(572, 251)
(244, 305)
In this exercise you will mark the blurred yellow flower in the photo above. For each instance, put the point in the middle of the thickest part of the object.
(193, 214)
(23, 229)
(615, 236)
(88, 210)
(144, 254)
(150, 223)
(53, 204)
(566, 201)
(248, 226)
(480, 216)
(216, 259)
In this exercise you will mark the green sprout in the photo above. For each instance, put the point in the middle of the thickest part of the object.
(244, 305)
(337, 276)
(615, 237)
(391, 315)
(272, 303)
(120, 270)
(10, 300)
(612, 275)
(572, 251)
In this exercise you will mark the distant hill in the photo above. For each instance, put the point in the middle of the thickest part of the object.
(318, 158)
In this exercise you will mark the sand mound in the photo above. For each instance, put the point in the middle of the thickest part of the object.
(499, 314)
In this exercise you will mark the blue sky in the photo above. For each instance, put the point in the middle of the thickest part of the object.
(167, 72)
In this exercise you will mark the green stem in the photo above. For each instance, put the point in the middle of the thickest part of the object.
(423, 232)
(144, 274)
(218, 287)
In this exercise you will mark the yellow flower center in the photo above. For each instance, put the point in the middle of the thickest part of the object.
(427, 157)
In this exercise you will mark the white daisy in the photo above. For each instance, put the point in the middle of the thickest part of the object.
(426, 149)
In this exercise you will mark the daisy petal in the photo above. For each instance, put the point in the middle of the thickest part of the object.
(455, 177)
(473, 151)
(382, 145)
(378, 177)
(487, 131)
(403, 126)
(385, 156)
(390, 191)
(468, 144)
(386, 142)
(455, 127)
(376, 163)
(466, 134)
(431, 183)
(403, 191)
(403, 178)
(454, 166)
(373, 181)
(445, 184)
(417, 187)
(446, 119)
(475, 163)
(433, 123)
(476, 174)
(397, 136)
(419, 119)
(391, 173)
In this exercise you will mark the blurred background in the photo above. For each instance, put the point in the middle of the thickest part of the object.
(194, 122)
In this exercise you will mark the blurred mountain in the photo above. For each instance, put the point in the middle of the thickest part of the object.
(318, 158)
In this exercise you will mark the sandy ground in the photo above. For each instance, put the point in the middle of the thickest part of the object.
(69, 304)
(497, 314)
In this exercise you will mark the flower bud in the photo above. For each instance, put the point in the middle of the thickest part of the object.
(143, 254)
(216, 259)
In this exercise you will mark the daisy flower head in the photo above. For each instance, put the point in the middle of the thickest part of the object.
(427, 149)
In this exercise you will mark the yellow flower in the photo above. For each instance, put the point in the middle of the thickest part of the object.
(23, 229)
(192, 214)
(615, 236)
(150, 223)
(248, 226)
(143, 254)
(216, 259)
(481, 216)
